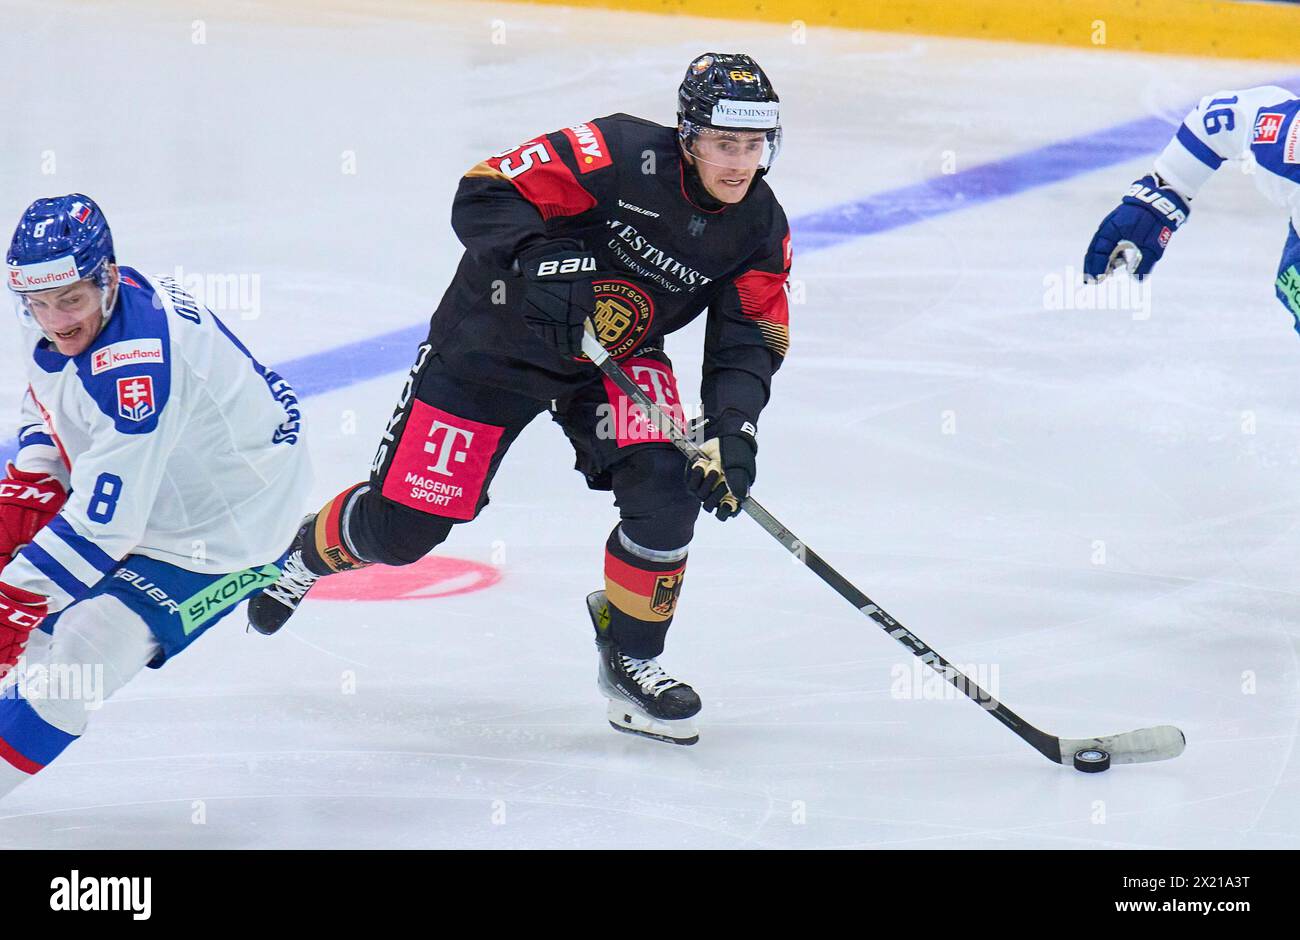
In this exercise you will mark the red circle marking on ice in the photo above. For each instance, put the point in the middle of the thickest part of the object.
(435, 576)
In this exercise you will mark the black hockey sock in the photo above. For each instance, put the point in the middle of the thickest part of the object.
(642, 593)
(326, 548)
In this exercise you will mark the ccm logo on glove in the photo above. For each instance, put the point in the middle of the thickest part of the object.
(21, 612)
(28, 500)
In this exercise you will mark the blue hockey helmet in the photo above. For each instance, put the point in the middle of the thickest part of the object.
(59, 241)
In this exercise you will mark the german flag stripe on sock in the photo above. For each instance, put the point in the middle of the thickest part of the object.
(648, 593)
(328, 536)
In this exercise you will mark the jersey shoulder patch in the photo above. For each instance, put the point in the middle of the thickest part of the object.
(1275, 140)
(127, 370)
(590, 151)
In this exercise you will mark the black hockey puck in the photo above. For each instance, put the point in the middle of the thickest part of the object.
(1091, 760)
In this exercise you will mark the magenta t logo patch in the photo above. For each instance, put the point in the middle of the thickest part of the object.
(442, 463)
(630, 424)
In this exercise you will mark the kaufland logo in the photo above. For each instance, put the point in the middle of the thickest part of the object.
(1291, 150)
(44, 275)
(761, 115)
(126, 353)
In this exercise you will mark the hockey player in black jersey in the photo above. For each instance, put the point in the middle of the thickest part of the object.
(638, 228)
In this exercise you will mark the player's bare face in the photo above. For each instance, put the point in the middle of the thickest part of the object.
(727, 163)
(71, 316)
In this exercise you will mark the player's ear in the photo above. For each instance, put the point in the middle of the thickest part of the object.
(113, 276)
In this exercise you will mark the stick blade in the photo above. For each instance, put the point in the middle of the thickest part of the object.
(1143, 746)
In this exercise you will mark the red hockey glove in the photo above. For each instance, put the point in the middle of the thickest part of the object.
(27, 502)
(21, 612)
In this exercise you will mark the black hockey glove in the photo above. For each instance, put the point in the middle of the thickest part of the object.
(557, 295)
(721, 479)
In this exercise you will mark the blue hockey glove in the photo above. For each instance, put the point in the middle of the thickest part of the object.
(1136, 232)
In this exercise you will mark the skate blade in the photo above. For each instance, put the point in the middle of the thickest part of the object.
(251, 628)
(264, 631)
(629, 721)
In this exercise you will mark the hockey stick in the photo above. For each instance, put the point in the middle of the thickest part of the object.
(1131, 747)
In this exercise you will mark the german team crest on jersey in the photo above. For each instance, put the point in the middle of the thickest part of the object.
(622, 317)
(135, 397)
(1268, 127)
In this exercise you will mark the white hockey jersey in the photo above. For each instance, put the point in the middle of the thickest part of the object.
(175, 443)
(1232, 125)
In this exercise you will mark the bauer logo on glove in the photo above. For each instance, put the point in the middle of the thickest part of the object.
(1136, 233)
(558, 297)
(574, 265)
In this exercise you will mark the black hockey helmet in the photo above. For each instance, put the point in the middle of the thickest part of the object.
(728, 93)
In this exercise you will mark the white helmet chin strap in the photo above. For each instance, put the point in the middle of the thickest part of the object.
(107, 301)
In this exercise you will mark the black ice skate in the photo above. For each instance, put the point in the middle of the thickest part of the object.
(643, 699)
(268, 611)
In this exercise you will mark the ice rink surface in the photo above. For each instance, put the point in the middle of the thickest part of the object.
(1097, 508)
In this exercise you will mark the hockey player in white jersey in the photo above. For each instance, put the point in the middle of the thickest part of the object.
(160, 473)
(1230, 125)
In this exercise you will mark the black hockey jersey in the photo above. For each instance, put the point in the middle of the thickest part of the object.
(618, 185)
